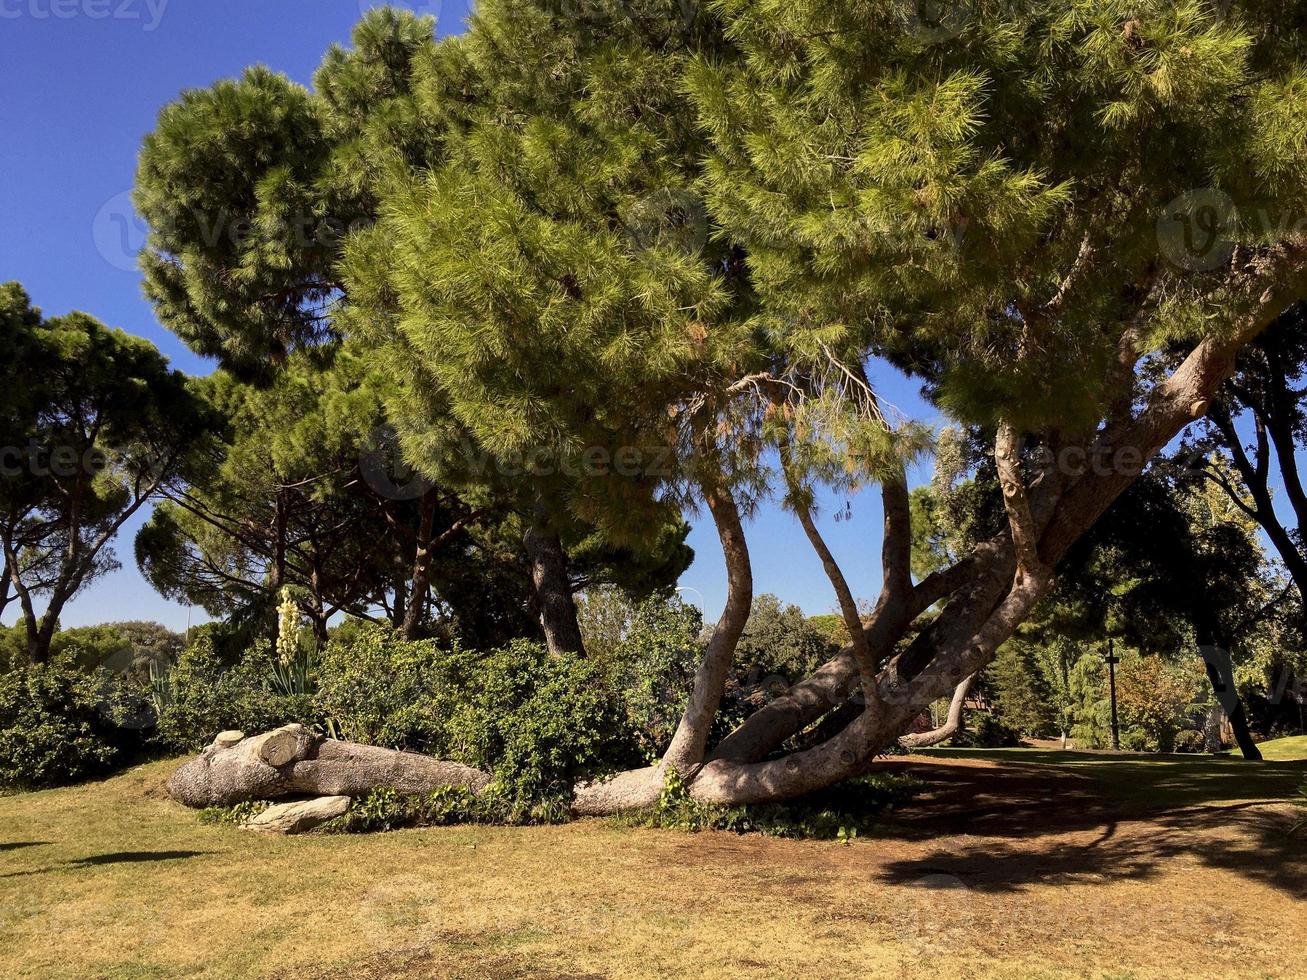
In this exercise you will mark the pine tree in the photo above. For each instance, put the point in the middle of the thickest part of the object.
(95, 425)
(276, 217)
(1025, 208)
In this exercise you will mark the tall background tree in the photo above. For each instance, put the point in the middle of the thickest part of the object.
(95, 426)
(244, 262)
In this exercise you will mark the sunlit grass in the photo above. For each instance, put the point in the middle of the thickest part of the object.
(1291, 749)
(113, 879)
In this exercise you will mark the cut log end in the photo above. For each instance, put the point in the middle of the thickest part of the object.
(285, 745)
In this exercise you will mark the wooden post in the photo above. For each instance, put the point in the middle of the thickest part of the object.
(1112, 661)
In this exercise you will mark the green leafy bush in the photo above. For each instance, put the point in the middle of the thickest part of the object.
(234, 816)
(384, 809)
(207, 695)
(1190, 741)
(537, 722)
(58, 725)
(651, 669)
(378, 689)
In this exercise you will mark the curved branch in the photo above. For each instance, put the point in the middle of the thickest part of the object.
(691, 738)
(951, 726)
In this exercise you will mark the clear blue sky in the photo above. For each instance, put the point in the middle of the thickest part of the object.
(81, 90)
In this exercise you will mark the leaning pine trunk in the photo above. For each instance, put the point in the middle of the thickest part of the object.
(417, 599)
(553, 591)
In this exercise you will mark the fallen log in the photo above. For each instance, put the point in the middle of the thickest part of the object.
(293, 761)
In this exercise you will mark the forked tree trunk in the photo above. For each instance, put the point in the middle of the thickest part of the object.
(986, 597)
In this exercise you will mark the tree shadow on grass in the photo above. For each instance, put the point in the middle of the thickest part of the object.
(133, 857)
(1046, 825)
(14, 845)
(114, 857)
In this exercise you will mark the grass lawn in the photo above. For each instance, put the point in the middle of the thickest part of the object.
(1029, 865)
(1291, 749)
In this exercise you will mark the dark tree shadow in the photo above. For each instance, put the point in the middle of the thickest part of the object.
(133, 857)
(16, 844)
(1054, 825)
(114, 857)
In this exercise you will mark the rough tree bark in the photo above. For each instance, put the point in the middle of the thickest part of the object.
(416, 608)
(553, 590)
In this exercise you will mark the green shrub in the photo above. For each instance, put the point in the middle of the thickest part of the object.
(841, 812)
(537, 722)
(207, 695)
(1190, 741)
(384, 809)
(378, 689)
(58, 725)
(984, 731)
(651, 669)
(234, 816)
